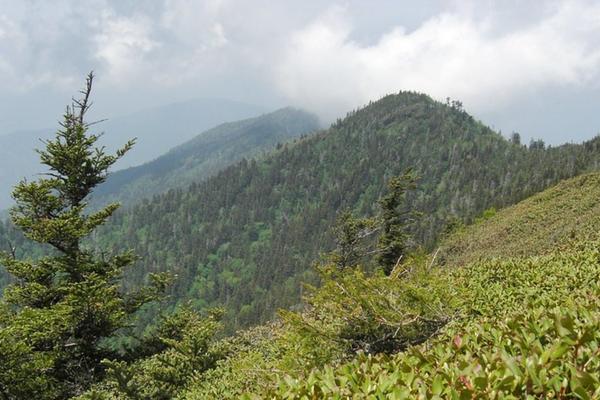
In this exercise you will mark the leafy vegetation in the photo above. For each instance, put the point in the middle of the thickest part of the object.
(512, 327)
(57, 317)
(535, 226)
(183, 347)
(386, 320)
(528, 328)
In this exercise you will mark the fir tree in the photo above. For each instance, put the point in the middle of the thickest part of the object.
(62, 308)
(351, 236)
(395, 217)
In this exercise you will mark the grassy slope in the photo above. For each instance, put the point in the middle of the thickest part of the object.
(535, 226)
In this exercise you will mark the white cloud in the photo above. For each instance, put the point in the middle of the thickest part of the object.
(451, 54)
(122, 45)
(195, 23)
(314, 54)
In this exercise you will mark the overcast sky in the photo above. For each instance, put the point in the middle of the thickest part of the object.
(530, 68)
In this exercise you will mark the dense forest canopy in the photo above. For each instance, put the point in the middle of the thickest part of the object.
(246, 237)
(507, 327)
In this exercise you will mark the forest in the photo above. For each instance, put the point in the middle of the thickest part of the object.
(246, 238)
(389, 256)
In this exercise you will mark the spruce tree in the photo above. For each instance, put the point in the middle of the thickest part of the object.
(63, 308)
(395, 218)
(351, 236)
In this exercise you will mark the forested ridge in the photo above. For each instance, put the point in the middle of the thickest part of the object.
(342, 208)
(157, 129)
(246, 237)
(205, 155)
(505, 327)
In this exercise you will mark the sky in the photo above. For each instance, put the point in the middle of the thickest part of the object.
(531, 67)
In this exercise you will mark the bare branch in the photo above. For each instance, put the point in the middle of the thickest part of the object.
(84, 104)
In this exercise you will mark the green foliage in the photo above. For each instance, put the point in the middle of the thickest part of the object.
(351, 236)
(187, 349)
(62, 308)
(374, 314)
(206, 155)
(256, 356)
(493, 328)
(540, 354)
(22, 370)
(395, 218)
(297, 191)
(529, 328)
(295, 194)
(535, 226)
(501, 328)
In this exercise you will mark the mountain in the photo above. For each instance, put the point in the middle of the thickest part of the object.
(206, 154)
(515, 325)
(157, 129)
(491, 320)
(522, 325)
(246, 237)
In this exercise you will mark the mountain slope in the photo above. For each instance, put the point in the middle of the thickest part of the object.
(206, 154)
(157, 129)
(527, 280)
(535, 226)
(524, 326)
(246, 237)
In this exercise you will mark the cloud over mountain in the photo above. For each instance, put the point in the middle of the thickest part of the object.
(325, 56)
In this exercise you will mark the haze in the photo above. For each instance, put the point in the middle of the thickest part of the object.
(532, 69)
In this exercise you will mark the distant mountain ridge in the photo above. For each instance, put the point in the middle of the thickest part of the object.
(206, 154)
(157, 129)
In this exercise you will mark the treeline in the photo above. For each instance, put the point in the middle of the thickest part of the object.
(246, 238)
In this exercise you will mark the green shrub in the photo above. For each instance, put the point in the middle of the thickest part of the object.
(187, 349)
(374, 314)
(525, 328)
(539, 354)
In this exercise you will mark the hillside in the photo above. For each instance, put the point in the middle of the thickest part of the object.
(158, 130)
(205, 155)
(511, 327)
(246, 237)
(535, 226)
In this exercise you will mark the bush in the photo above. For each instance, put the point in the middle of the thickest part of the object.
(540, 354)
(527, 328)
(377, 313)
(188, 350)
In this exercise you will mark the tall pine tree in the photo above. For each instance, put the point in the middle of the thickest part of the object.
(60, 311)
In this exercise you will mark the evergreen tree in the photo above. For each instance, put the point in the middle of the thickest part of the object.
(395, 216)
(351, 239)
(63, 308)
(385, 235)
